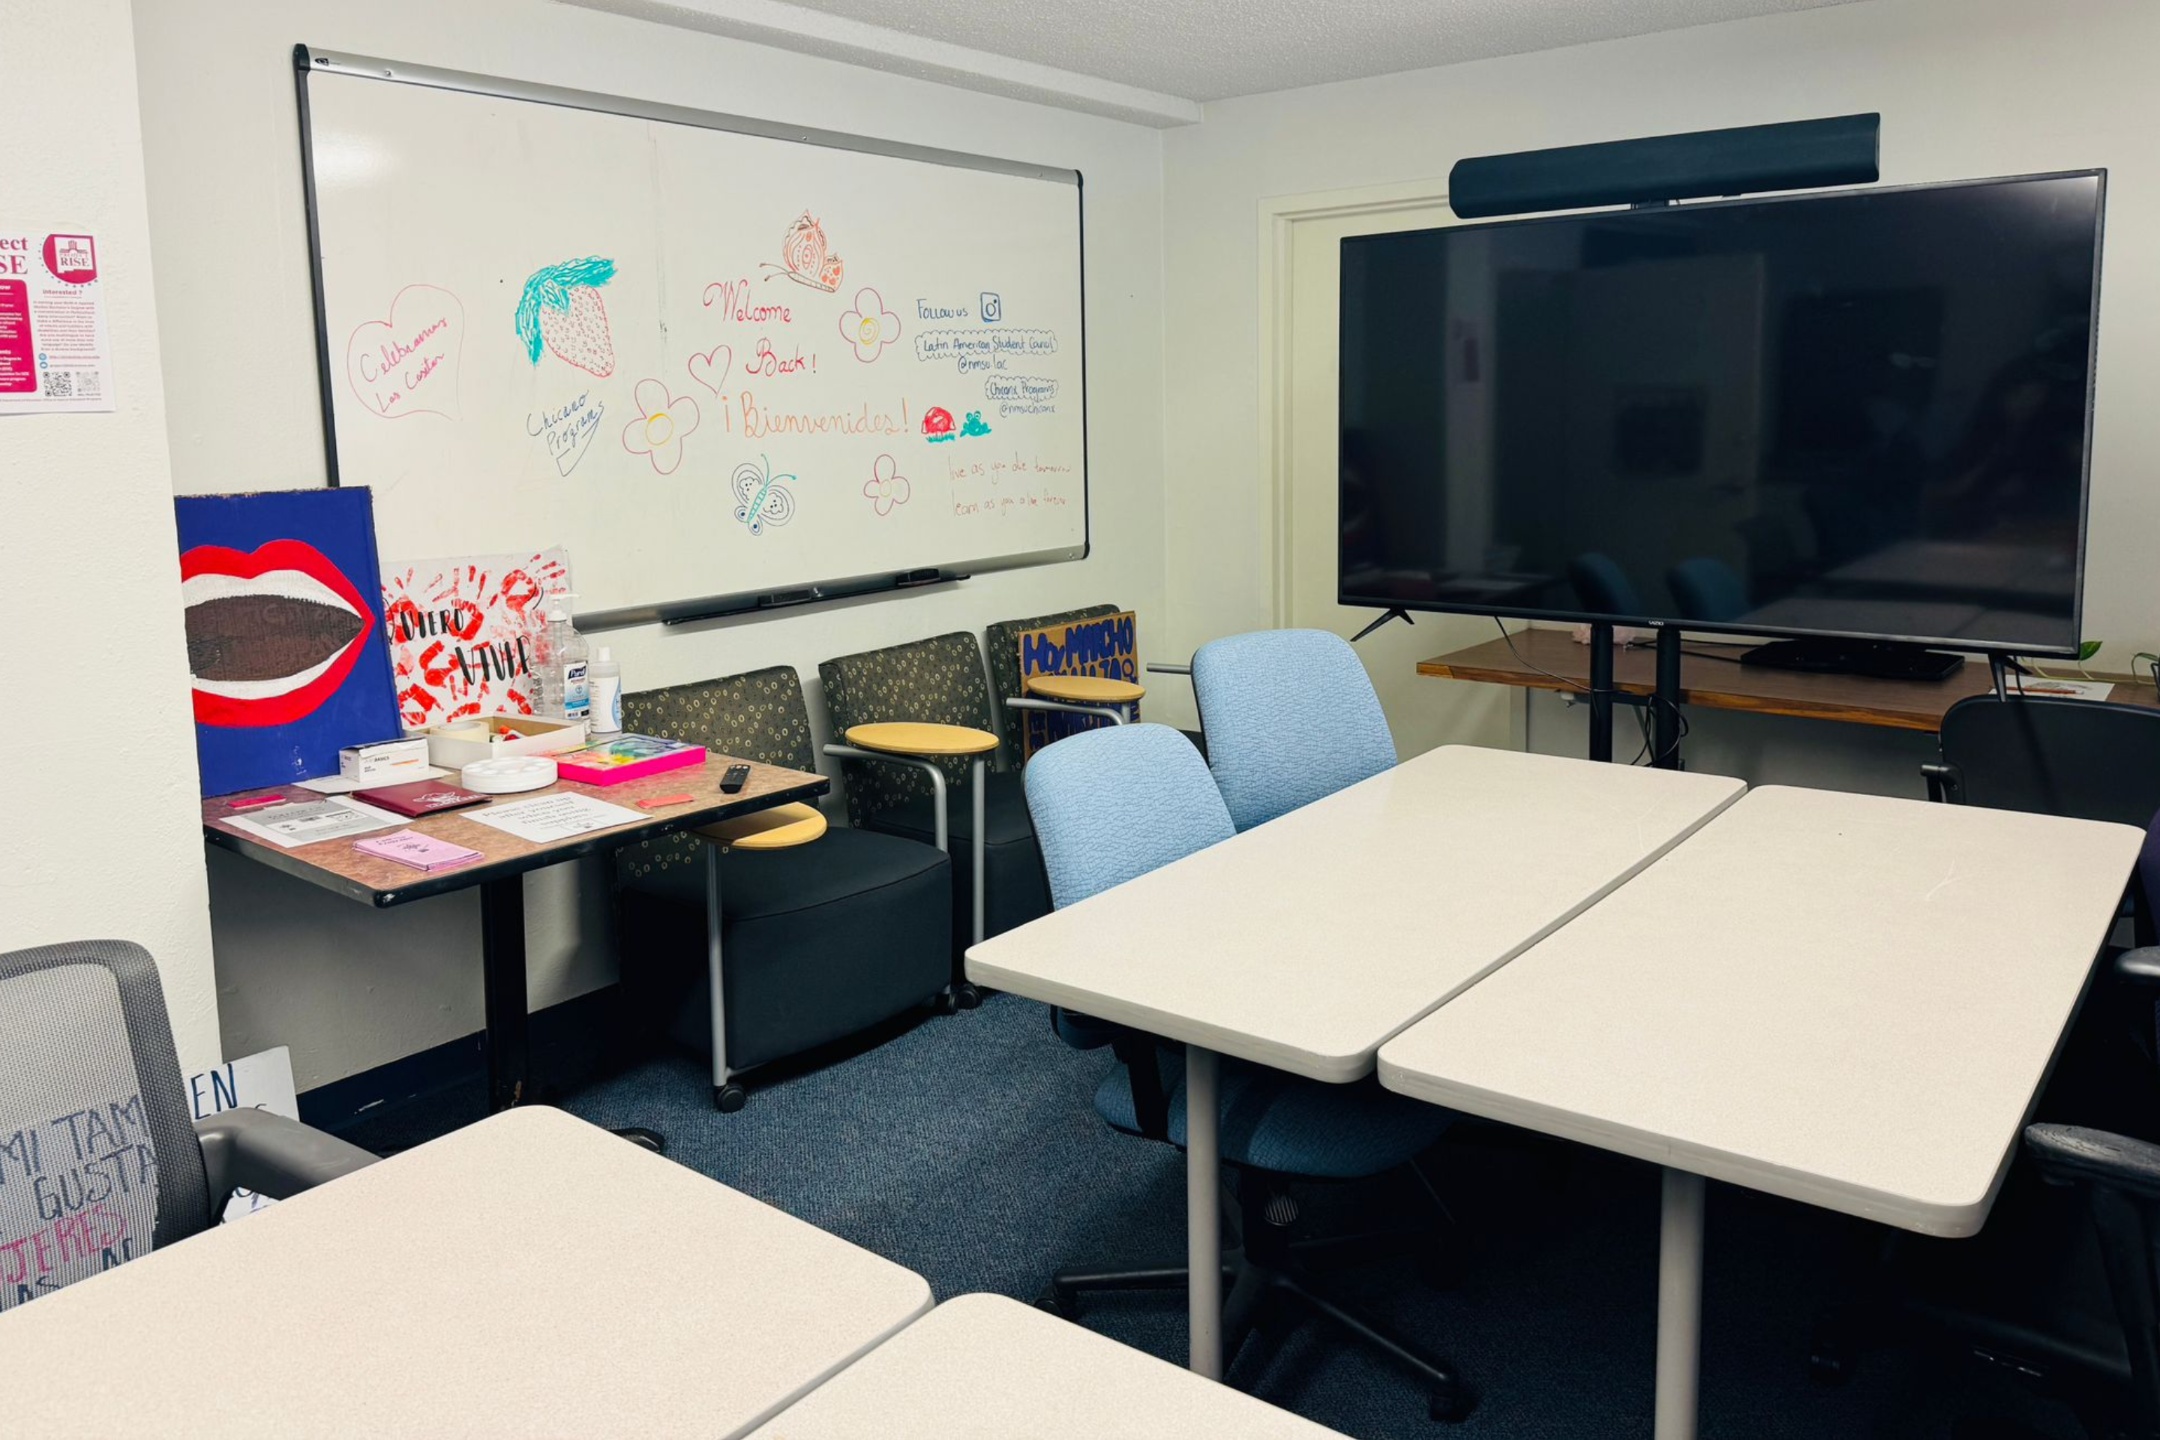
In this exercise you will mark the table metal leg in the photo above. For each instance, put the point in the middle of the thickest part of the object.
(1679, 1323)
(507, 1038)
(976, 783)
(1203, 1211)
(502, 971)
(728, 1097)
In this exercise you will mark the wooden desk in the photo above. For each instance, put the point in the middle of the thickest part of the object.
(1027, 1374)
(528, 1275)
(1429, 876)
(1712, 676)
(1844, 1000)
(336, 866)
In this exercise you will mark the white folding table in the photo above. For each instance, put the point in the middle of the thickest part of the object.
(528, 1275)
(989, 1367)
(1305, 943)
(1840, 999)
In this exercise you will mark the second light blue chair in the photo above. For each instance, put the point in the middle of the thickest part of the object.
(1289, 717)
(1113, 804)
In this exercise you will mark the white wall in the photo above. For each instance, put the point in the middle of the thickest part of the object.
(105, 841)
(1965, 87)
(348, 989)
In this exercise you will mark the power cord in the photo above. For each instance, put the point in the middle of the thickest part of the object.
(1576, 685)
(1642, 713)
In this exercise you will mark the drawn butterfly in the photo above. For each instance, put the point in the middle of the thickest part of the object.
(765, 501)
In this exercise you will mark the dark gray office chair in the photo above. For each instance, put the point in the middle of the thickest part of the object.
(98, 1161)
(2045, 755)
(2120, 1178)
(2092, 759)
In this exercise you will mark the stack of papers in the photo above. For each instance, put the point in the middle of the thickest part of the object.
(304, 822)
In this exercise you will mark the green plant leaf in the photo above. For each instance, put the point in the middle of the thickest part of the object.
(2087, 650)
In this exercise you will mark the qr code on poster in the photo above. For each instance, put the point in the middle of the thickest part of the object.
(71, 384)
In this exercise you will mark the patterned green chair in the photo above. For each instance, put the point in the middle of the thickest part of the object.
(939, 681)
(817, 942)
(1001, 643)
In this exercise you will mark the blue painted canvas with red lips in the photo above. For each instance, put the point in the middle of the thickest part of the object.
(286, 646)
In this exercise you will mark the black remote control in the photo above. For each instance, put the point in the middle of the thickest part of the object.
(734, 779)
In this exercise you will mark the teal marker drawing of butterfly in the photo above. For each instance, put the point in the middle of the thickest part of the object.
(763, 499)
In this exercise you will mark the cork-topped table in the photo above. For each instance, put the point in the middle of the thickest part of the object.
(499, 874)
(922, 745)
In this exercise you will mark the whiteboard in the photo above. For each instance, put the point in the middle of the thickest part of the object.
(726, 364)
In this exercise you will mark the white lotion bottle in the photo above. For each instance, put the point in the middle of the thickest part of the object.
(604, 676)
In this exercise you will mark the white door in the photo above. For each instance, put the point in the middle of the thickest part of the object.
(1423, 712)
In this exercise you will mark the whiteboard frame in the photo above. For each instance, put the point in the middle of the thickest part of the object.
(310, 61)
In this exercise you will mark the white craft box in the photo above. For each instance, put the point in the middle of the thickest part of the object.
(458, 744)
(386, 762)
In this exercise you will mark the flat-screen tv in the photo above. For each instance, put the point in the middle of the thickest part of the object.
(1860, 414)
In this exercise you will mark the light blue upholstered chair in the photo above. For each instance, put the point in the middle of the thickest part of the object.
(1289, 717)
(1115, 803)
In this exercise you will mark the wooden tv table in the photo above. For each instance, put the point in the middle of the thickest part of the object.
(1712, 676)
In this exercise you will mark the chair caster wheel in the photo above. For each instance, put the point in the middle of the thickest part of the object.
(966, 996)
(1452, 1405)
(644, 1139)
(729, 1098)
(1053, 1303)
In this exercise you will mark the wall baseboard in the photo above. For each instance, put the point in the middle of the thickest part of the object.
(572, 1043)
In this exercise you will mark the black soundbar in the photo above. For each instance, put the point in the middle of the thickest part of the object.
(1795, 155)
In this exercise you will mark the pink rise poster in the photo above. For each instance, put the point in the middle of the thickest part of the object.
(55, 353)
(465, 633)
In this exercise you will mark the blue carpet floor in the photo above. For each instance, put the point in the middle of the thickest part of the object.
(966, 1148)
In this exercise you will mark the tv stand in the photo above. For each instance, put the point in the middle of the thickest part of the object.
(1876, 659)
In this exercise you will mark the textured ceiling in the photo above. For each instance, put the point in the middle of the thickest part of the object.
(1215, 49)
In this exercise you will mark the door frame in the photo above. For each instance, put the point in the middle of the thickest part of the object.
(1280, 215)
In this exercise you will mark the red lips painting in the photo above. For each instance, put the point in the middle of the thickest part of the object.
(271, 634)
(281, 595)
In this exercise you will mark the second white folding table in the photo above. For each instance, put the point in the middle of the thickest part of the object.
(1844, 1000)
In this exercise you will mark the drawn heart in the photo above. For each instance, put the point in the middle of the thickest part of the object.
(409, 363)
(711, 369)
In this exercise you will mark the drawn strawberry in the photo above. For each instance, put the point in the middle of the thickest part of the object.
(561, 310)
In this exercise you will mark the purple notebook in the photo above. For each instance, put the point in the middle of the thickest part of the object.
(422, 852)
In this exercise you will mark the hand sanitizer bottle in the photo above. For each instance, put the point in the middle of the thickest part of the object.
(606, 678)
(565, 691)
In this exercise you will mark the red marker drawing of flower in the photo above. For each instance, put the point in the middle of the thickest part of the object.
(869, 327)
(886, 486)
(660, 426)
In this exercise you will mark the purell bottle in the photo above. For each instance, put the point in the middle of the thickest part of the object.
(565, 692)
